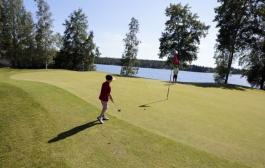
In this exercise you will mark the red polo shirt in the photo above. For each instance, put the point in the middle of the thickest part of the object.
(105, 91)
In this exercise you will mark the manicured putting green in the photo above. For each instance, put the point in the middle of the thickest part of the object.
(226, 123)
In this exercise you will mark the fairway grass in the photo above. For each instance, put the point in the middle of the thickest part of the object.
(45, 126)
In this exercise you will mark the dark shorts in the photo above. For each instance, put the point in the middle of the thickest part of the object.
(175, 76)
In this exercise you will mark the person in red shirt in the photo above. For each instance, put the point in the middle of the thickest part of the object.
(104, 98)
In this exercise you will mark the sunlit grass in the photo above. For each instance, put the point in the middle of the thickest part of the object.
(225, 123)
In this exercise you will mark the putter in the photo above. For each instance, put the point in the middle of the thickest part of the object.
(118, 109)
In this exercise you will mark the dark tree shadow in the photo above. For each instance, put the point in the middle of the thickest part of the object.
(213, 85)
(154, 102)
(73, 131)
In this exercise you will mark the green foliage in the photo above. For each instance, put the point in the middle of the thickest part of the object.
(6, 36)
(254, 65)
(182, 33)
(253, 60)
(1, 27)
(238, 24)
(44, 34)
(221, 68)
(58, 41)
(28, 43)
(97, 53)
(78, 50)
(24, 44)
(129, 57)
(17, 34)
(241, 34)
(230, 21)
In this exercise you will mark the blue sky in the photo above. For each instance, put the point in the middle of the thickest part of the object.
(109, 20)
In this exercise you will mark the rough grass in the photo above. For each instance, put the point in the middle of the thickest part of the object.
(44, 126)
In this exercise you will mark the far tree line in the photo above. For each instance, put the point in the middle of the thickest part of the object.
(25, 44)
(241, 31)
(141, 63)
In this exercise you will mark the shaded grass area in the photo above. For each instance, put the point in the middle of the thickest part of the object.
(73, 131)
(34, 114)
(227, 122)
(214, 85)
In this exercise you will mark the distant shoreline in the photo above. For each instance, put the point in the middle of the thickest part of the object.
(156, 64)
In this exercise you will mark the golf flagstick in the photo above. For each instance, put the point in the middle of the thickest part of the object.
(169, 85)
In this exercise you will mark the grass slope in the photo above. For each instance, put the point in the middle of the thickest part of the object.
(44, 126)
(226, 122)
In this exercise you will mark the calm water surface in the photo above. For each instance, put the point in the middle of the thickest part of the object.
(164, 75)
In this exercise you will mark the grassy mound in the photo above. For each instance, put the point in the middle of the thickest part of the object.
(44, 126)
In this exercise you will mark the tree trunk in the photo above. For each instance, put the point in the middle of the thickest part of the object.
(234, 42)
(46, 56)
(229, 66)
(262, 79)
(262, 84)
(46, 64)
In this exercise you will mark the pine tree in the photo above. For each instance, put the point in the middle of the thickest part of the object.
(97, 52)
(78, 48)
(129, 57)
(182, 34)
(44, 34)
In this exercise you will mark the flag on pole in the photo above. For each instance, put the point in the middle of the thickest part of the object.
(176, 60)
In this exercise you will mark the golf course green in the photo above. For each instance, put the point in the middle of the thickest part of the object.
(48, 119)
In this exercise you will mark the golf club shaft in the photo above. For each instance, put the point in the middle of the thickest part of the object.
(115, 105)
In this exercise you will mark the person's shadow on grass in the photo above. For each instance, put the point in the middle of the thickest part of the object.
(73, 131)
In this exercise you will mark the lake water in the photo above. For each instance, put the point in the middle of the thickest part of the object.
(164, 75)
